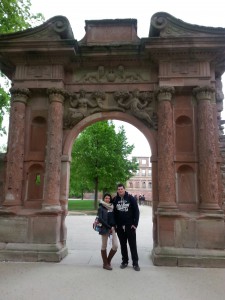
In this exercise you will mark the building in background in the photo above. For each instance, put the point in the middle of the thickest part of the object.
(141, 182)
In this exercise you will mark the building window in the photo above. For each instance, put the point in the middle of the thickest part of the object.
(143, 161)
(143, 172)
(137, 185)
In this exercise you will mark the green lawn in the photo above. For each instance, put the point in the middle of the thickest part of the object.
(74, 205)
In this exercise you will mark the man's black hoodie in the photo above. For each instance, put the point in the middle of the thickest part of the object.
(126, 210)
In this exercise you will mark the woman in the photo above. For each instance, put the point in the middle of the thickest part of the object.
(106, 217)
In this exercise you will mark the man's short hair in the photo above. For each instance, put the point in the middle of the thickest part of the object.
(120, 185)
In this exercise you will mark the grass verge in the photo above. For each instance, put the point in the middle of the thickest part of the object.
(81, 205)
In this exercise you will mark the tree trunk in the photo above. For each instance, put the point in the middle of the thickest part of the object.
(96, 192)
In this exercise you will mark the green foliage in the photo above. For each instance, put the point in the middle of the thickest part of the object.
(15, 15)
(100, 159)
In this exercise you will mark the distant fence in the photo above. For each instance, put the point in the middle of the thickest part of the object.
(146, 202)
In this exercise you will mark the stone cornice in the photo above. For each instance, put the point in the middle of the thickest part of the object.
(165, 25)
(56, 28)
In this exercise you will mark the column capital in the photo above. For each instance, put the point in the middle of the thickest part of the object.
(20, 95)
(165, 93)
(204, 93)
(56, 95)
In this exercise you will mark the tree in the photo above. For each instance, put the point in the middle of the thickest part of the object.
(15, 15)
(100, 159)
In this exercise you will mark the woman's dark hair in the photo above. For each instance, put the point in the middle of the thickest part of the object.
(107, 194)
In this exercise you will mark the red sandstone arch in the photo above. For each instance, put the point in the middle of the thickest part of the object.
(167, 85)
(69, 139)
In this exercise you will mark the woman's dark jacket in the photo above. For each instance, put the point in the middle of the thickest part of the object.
(126, 210)
(106, 218)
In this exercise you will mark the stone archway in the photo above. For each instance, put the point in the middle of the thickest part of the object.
(167, 85)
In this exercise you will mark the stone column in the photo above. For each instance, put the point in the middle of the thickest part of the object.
(208, 177)
(166, 168)
(54, 150)
(15, 154)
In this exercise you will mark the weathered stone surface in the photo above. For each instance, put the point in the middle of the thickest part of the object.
(45, 229)
(14, 230)
(211, 234)
(185, 233)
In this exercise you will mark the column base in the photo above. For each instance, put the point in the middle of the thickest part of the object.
(210, 207)
(18, 252)
(167, 206)
(32, 235)
(187, 257)
(51, 208)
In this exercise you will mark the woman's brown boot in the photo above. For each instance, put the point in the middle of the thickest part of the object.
(110, 256)
(105, 261)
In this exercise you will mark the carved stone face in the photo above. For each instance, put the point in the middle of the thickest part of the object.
(99, 101)
(83, 103)
(101, 71)
(120, 70)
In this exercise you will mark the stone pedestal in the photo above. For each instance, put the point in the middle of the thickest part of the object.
(31, 236)
(190, 239)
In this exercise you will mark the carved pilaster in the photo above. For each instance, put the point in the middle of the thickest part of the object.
(15, 155)
(166, 176)
(54, 150)
(208, 177)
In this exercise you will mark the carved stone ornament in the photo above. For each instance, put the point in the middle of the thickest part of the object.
(165, 25)
(138, 104)
(204, 93)
(57, 95)
(103, 74)
(20, 95)
(82, 104)
(165, 93)
(219, 90)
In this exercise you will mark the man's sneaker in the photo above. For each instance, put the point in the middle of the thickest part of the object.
(123, 265)
(136, 268)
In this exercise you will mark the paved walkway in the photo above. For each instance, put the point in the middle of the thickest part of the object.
(80, 275)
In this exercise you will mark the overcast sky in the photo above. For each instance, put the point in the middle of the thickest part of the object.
(206, 13)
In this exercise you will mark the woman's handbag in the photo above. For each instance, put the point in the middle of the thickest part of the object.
(97, 225)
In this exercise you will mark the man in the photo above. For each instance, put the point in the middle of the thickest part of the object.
(126, 214)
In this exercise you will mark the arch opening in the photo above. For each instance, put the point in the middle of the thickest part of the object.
(139, 185)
